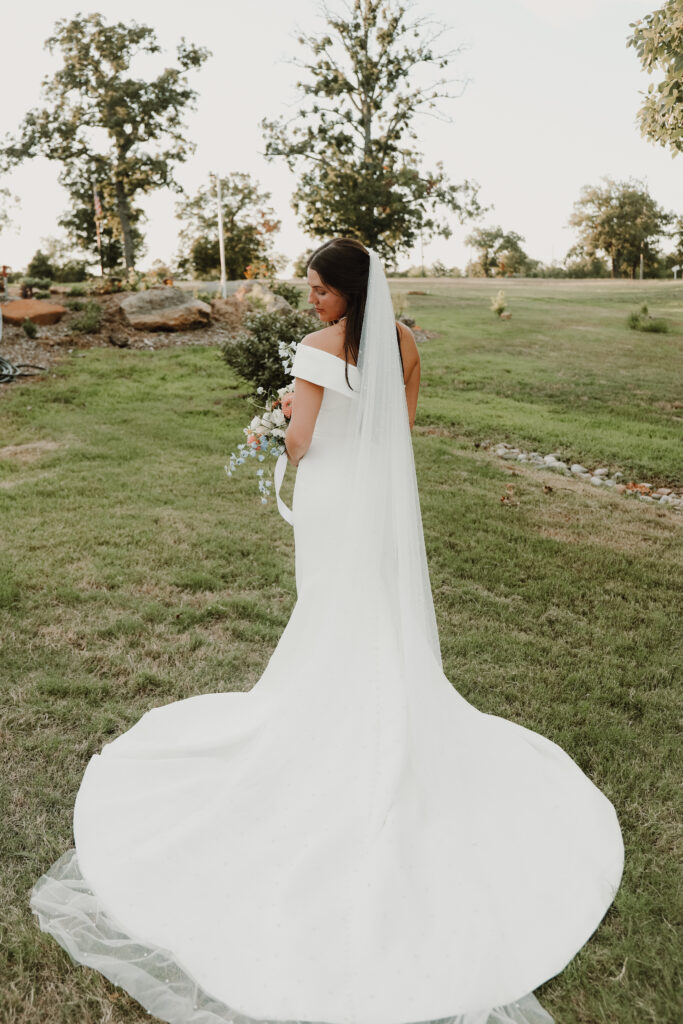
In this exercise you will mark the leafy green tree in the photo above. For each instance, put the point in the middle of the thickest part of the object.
(301, 262)
(677, 235)
(658, 41)
(249, 226)
(620, 219)
(79, 219)
(103, 124)
(40, 266)
(498, 250)
(350, 140)
(579, 263)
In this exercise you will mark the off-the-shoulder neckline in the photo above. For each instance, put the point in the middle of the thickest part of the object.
(314, 348)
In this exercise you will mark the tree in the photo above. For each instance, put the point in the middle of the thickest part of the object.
(359, 175)
(658, 41)
(102, 124)
(7, 200)
(79, 219)
(620, 219)
(498, 250)
(249, 225)
(579, 263)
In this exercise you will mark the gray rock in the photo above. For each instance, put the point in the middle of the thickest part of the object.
(597, 480)
(578, 468)
(601, 472)
(256, 293)
(164, 309)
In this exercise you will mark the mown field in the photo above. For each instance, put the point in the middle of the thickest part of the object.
(134, 573)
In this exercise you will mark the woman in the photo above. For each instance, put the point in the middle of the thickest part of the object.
(350, 841)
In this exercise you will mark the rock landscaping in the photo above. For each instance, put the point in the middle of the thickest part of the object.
(598, 477)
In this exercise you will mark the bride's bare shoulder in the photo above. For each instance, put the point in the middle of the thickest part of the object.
(329, 339)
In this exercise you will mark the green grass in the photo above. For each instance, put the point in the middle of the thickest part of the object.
(134, 573)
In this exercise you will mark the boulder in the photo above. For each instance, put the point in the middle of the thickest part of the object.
(39, 311)
(229, 310)
(165, 309)
(256, 293)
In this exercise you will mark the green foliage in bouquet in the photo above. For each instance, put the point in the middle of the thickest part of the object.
(255, 352)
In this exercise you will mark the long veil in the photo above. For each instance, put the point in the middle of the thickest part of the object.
(383, 538)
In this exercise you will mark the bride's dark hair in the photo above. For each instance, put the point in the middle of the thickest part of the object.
(343, 264)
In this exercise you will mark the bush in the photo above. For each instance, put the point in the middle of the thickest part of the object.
(498, 303)
(254, 353)
(41, 295)
(75, 304)
(78, 289)
(30, 329)
(40, 266)
(90, 319)
(290, 292)
(654, 326)
(72, 270)
(642, 322)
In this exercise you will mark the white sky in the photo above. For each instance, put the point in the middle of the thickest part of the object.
(550, 106)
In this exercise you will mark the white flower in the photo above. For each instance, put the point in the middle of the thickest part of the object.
(278, 433)
(278, 417)
(256, 422)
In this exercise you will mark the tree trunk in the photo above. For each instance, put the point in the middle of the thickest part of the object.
(615, 265)
(123, 212)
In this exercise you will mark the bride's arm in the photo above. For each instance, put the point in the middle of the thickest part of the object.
(305, 408)
(411, 369)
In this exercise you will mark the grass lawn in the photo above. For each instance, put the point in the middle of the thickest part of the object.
(134, 573)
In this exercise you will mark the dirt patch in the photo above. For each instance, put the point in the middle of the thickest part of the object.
(30, 452)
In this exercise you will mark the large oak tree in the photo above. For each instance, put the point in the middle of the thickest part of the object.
(620, 219)
(351, 140)
(103, 125)
(498, 250)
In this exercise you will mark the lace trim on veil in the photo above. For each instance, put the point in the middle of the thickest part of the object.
(68, 910)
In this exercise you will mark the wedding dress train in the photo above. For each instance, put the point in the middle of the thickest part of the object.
(350, 841)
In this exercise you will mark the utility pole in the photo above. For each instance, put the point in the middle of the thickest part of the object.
(221, 240)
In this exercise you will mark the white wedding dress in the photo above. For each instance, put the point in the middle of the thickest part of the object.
(348, 842)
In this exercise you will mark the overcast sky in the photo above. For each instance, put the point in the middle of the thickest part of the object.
(549, 106)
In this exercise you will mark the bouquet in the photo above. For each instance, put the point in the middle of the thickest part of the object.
(265, 436)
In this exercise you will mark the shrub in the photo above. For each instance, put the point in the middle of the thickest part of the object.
(90, 319)
(642, 322)
(72, 270)
(41, 295)
(654, 326)
(498, 303)
(41, 266)
(254, 353)
(290, 292)
(78, 289)
(30, 329)
(75, 304)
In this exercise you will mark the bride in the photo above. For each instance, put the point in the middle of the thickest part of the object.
(350, 841)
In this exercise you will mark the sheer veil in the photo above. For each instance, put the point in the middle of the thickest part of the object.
(383, 542)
